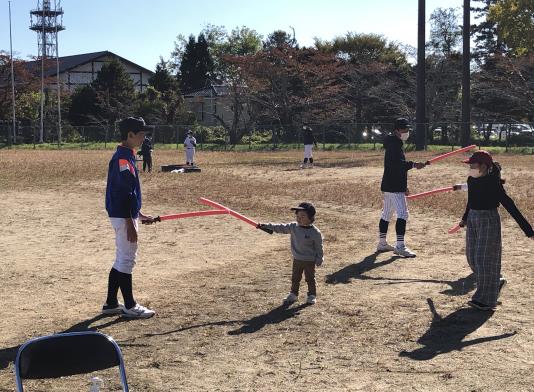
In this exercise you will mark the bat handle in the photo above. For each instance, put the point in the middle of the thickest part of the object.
(269, 231)
(156, 219)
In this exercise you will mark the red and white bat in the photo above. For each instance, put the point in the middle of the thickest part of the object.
(162, 218)
(446, 155)
(428, 193)
(233, 213)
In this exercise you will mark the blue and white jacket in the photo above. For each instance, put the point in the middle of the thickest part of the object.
(123, 191)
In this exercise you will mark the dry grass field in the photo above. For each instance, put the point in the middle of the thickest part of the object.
(380, 323)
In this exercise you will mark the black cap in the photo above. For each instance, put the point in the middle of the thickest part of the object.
(401, 123)
(132, 124)
(308, 207)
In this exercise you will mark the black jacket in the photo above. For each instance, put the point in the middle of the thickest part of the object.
(307, 137)
(146, 148)
(486, 193)
(395, 178)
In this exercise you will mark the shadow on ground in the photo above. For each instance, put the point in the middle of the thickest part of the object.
(345, 275)
(356, 270)
(447, 334)
(275, 316)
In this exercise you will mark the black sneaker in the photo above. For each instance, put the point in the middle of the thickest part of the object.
(479, 305)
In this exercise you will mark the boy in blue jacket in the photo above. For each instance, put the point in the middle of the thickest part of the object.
(123, 204)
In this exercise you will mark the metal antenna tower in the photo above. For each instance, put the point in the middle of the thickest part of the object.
(47, 21)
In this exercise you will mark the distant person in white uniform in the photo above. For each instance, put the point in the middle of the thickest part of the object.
(189, 144)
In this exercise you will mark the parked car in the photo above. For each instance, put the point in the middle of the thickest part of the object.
(521, 129)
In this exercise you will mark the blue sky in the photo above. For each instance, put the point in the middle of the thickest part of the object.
(143, 30)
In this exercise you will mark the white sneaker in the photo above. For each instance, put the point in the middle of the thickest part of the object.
(112, 310)
(290, 299)
(138, 311)
(384, 247)
(403, 252)
(311, 300)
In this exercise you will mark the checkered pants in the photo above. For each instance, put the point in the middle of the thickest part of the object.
(483, 250)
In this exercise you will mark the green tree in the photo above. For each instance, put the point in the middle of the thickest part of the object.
(443, 71)
(279, 39)
(487, 42)
(169, 95)
(163, 80)
(26, 85)
(83, 106)
(515, 24)
(196, 65)
(445, 32)
(115, 92)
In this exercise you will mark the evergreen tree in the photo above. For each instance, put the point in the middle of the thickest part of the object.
(196, 66)
(486, 39)
(280, 39)
(163, 80)
(115, 91)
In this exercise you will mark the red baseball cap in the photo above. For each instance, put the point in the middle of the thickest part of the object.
(482, 157)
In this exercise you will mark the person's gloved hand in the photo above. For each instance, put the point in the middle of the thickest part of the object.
(318, 263)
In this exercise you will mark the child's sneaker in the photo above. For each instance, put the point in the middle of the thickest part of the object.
(116, 309)
(291, 298)
(311, 300)
(404, 252)
(138, 311)
(384, 247)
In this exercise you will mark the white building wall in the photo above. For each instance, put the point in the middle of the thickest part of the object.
(86, 73)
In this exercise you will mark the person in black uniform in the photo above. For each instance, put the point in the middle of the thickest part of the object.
(146, 153)
(395, 188)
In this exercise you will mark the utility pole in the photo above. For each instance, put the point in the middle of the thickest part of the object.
(465, 135)
(12, 83)
(420, 126)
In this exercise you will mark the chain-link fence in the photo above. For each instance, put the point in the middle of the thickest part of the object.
(271, 135)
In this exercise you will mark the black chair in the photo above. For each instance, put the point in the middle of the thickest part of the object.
(67, 354)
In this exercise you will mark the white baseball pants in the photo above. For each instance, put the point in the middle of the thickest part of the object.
(395, 202)
(308, 151)
(189, 154)
(126, 251)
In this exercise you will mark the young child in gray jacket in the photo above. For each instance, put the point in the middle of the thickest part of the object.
(306, 248)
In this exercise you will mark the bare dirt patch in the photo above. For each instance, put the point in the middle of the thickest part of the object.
(381, 323)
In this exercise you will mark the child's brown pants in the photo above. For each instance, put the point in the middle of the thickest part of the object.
(308, 267)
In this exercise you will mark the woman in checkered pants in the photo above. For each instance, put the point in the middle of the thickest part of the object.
(483, 240)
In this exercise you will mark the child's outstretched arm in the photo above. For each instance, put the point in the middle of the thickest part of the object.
(281, 228)
(512, 209)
